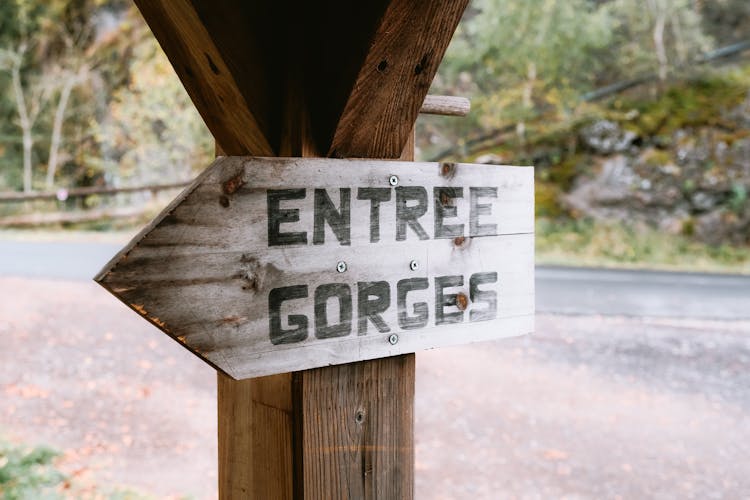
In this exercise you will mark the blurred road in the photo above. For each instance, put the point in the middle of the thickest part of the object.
(569, 290)
(559, 290)
(628, 388)
(598, 407)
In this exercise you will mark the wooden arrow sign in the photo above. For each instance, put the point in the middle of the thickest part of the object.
(271, 265)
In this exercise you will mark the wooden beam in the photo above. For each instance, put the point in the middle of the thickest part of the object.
(445, 105)
(235, 106)
(349, 433)
(331, 78)
(255, 437)
(350, 430)
(391, 85)
(355, 430)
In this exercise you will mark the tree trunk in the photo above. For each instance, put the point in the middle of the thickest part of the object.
(57, 125)
(527, 99)
(24, 121)
(661, 52)
(28, 143)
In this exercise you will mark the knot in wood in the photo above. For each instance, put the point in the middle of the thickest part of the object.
(233, 184)
(359, 416)
(448, 169)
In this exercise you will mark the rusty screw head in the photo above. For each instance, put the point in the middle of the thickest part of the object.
(393, 180)
(462, 301)
(414, 265)
(341, 266)
(393, 339)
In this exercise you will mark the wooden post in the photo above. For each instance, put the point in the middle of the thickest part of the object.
(343, 431)
(311, 79)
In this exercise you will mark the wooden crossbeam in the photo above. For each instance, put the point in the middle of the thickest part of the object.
(403, 57)
(359, 71)
(201, 40)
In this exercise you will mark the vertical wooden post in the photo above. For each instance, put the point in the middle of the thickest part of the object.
(339, 432)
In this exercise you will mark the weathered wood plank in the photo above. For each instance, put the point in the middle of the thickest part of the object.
(358, 429)
(214, 269)
(255, 437)
(403, 57)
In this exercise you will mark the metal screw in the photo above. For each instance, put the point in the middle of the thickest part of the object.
(414, 265)
(393, 180)
(393, 339)
(341, 266)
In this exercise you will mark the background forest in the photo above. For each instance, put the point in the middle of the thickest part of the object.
(635, 112)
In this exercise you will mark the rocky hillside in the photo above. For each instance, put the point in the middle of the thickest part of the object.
(679, 161)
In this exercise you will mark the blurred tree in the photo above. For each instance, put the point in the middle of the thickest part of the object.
(29, 90)
(155, 129)
(87, 87)
(727, 21)
(655, 35)
(523, 57)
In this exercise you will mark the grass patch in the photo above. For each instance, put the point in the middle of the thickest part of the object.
(28, 473)
(585, 243)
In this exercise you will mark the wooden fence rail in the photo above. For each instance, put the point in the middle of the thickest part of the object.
(64, 194)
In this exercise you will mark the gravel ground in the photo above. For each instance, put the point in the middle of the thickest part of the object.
(588, 407)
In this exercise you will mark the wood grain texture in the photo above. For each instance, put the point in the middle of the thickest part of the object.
(230, 102)
(204, 271)
(356, 75)
(255, 437)
(357, 430)
(445, 105)
(391, 85)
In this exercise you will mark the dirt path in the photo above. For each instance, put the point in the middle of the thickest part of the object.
(589, 407)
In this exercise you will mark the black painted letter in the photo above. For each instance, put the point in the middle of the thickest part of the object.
(409, 214)
(275, 299)
(278, 216)
(344, 327)
(442, 300)
(444, 208)
(487, 296)
(477, 209)
(421, 311)
(371, 308)
(339, 220)
(375, 195)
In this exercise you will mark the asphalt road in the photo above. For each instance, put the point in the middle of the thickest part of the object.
(589, 407)
(559, 290)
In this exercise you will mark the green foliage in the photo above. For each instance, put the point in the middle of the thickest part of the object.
(31, 474)
(154, 129)
(546, 203)
(523, 57)
(701, 101)
(617, 245)
(634, 49)
(738, 201)
(28, 473)
(127, 119)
